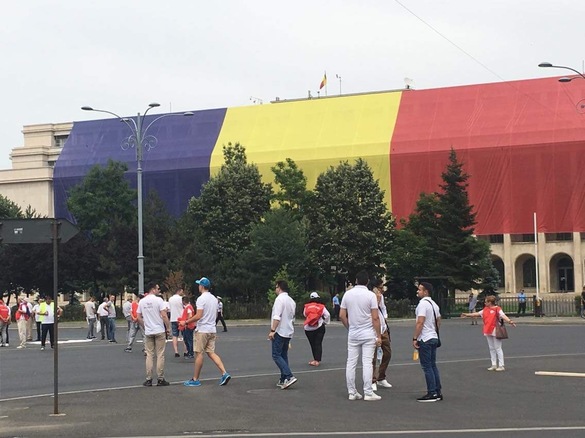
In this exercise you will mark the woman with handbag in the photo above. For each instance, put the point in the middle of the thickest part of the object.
(492, 325)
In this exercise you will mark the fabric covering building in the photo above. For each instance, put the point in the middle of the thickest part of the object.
(522, 142)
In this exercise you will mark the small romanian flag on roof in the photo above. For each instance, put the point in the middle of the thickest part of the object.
(323, 81)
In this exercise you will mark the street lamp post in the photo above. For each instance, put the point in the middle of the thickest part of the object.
(564, 79)
(139, 139)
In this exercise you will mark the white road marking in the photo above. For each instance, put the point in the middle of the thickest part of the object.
(558, 374)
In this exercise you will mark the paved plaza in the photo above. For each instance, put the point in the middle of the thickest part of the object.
(100, 391)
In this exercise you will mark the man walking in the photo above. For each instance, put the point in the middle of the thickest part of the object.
(111, 306)
(359, 314)
(220, 314)
(152, 315)
(426, 341)
(205, 333)
(134, 325)
(281, 332)
(90, 316)
(521, 303)
(103, 315)
(176, 307)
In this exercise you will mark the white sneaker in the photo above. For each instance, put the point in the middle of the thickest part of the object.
(492, 368)
(374, 387)
(500, 369)
(356, 396)
(20, 346)
(288, 382)
(372, 397)
(384, 384)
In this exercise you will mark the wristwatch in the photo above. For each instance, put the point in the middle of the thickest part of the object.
(272, 331)
(414, 339)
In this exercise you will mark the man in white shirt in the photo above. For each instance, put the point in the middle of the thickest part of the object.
(152, 316)
(90, 316)
(111, 306)
(103, 315)
(206, 333)
(359, 314)
(176, 307)
(127, 312)
(426, 341)
(281, 332)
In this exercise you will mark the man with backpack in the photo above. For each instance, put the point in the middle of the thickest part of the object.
(316, 316)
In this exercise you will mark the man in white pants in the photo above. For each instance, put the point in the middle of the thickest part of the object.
(359, 314)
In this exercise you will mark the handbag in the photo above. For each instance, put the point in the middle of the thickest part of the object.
(501, 330)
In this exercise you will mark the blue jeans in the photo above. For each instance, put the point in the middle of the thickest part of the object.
(427, 353)
(111, 329)
(188, 340)
(280, 356)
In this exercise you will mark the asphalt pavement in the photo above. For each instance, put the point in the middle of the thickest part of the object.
(101, 393)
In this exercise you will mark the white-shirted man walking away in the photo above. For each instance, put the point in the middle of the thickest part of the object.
(152, 316)
(205, 333)
(359, 314)
(281, 332)
(176, 307)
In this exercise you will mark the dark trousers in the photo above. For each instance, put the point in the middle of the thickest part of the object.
(47, 328)
(336, 310)
(38, 330)
(315, 338)
(220, 318)
(521, 308)
(386, 356)
(105, 324)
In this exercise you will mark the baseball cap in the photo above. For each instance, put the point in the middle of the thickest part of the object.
(204, 281)
(314, 295)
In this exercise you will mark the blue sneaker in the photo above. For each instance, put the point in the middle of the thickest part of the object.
(224, 379)
(192, 383)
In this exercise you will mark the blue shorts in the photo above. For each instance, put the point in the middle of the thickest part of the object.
(175, 329)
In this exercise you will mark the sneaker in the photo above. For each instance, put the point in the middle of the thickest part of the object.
(374, 387)
(192, 382)
(177, 355)
(279, 384)
(42, 348)
(439, 397)
(162, 382)
(224, 379)
(189, 356)
(427, 398)
(492, 368)
(2, 345)
(372, 397)
(128, 350)
(356, 396)
(185, 354)
(147, 382)
(384, 384)
(289, 382)
(20, 346)
(500, 369)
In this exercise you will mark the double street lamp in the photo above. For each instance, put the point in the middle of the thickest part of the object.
(563, 79)
(139, 139)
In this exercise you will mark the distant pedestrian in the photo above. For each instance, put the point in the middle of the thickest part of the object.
(426, 341)
(521, 303)
(316, 317)
(188, 329)
(90, 316)
(135, 326)
(205, 334)
(583, 303)
(220, 313)
(4, 323)
(336, 306)
(379, 376)
(103, 316)
(152, 315)
(359, 314)
(471, 304)
(176, 309)
(127, 312)
(49, 312)
(38, 318)
(111, 306)
(281, 332)
(491, 315)
(22, 316)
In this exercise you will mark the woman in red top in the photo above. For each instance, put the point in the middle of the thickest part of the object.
(491, 314)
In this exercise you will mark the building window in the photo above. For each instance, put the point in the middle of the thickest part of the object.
(60, 140)
(522, 238)
(559, 237)
(496, 238)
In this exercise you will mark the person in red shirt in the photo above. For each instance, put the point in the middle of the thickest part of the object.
(491, 315)
(134, 325)
(188, 330)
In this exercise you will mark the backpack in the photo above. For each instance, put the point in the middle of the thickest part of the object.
(3, 311)
(313, 312)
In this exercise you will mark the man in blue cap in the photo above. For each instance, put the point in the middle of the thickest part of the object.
(205, 333)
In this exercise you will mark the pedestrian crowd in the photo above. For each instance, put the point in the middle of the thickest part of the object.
(361, 310)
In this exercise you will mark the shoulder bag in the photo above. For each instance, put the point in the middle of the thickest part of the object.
(501, 330)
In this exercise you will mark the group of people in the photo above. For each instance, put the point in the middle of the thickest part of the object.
(43, 313)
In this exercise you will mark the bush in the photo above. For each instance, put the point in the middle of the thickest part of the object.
(73, 312)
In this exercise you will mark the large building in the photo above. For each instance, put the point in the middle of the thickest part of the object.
(522, 142)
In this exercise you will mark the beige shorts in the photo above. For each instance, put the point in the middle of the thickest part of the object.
(204, 342)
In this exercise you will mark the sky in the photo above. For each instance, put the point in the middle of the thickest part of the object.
(191, 55)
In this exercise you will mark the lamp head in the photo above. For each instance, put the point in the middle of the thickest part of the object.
(189, 113)
(154, 105)
(87, 108)
(545, 64)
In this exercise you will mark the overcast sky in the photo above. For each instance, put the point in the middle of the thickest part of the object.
(187, 55)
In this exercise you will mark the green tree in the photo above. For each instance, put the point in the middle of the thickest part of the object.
(221, 218)
(9, 209)
(292, 194)
(350, 226)
(295, 292)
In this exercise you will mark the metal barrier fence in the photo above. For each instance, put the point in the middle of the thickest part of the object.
(548, 306)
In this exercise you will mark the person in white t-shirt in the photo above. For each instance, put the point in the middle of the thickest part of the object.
(90, 316)
(152, 316)
(176, 307)
(205, 333)
(359, 314)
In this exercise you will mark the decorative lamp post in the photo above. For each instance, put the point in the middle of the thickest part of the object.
(139, 139)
